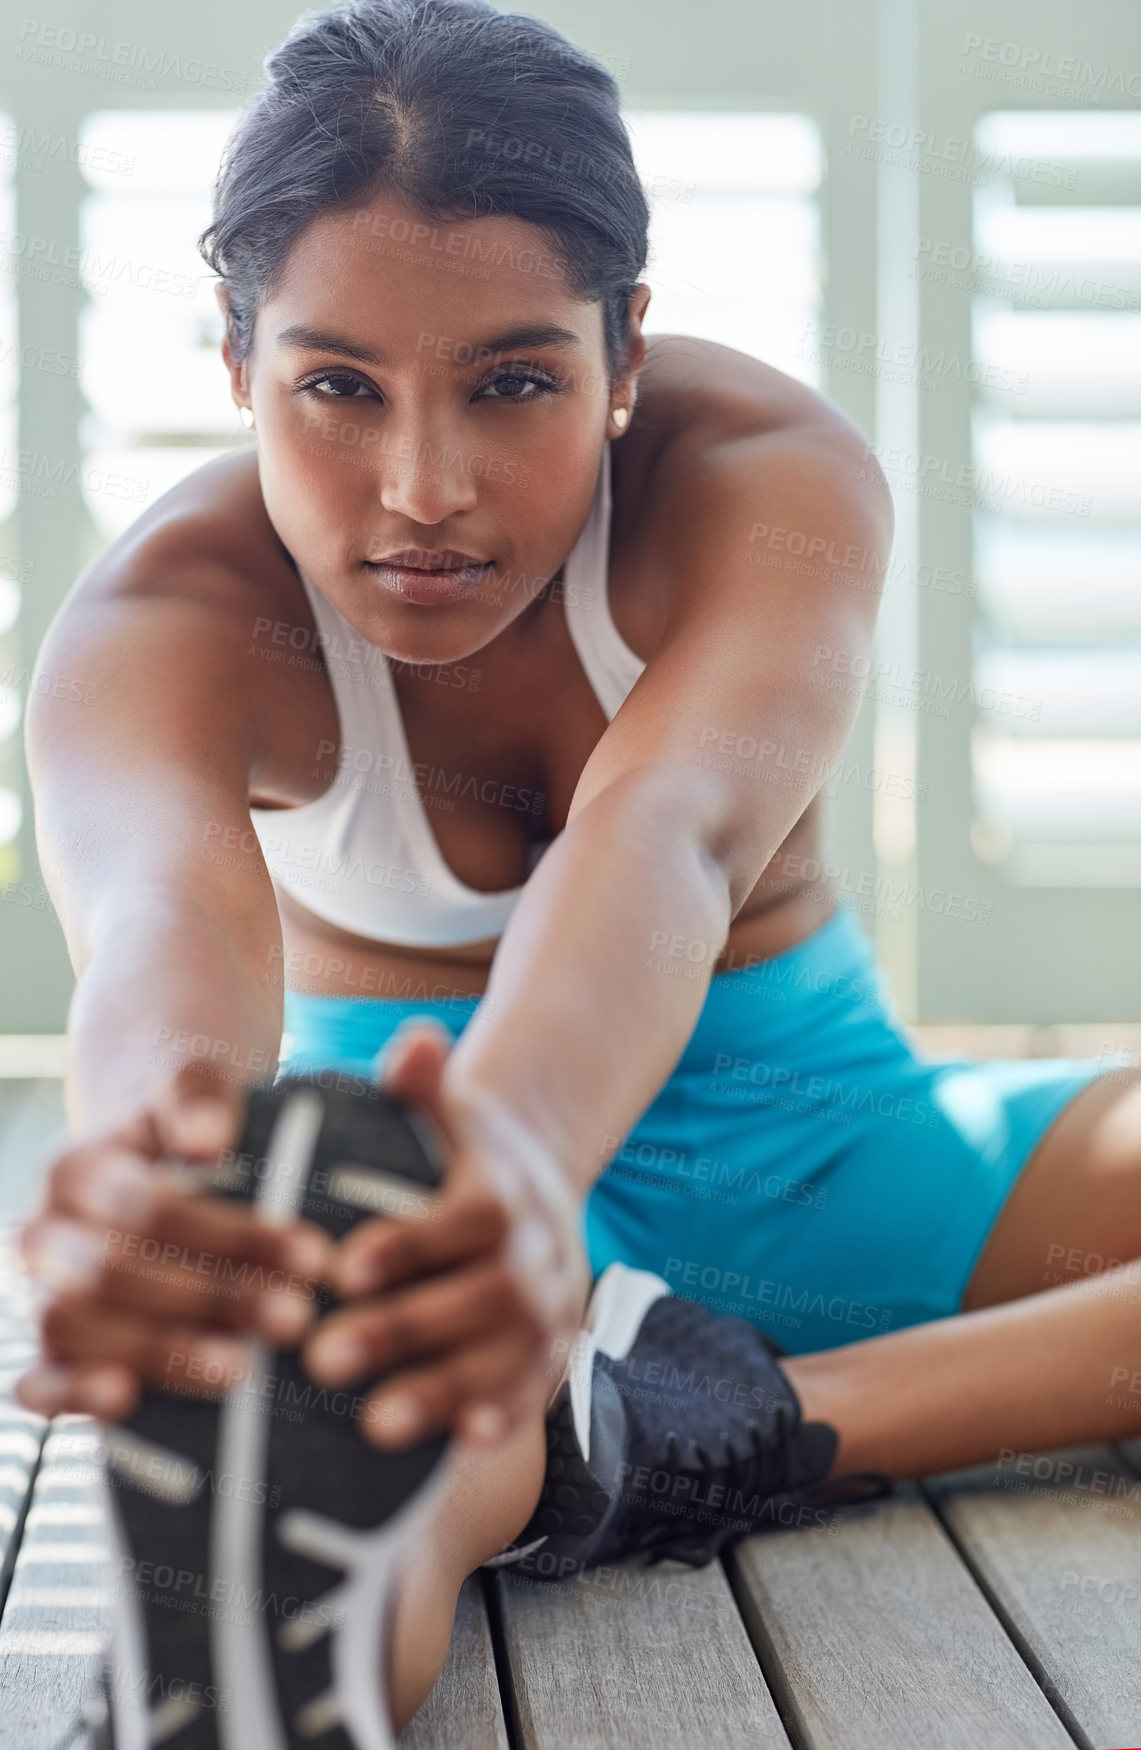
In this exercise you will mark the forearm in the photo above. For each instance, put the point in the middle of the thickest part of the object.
(167, 985)
(580, 1026)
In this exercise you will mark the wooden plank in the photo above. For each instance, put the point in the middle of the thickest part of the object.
(642, 1658)
(21, 1432)
(56, 1618)
(21, 1437)
(874, 1636)
(1056, 1539)
(464, 1711)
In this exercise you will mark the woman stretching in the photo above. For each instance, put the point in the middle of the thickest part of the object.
(479, 699)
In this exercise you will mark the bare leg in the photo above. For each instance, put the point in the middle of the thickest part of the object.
(1035, 1373)
(1027, 1372)
(493, 1494)
(1076, 1209)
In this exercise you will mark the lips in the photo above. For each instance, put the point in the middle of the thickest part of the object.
(428, 559)
(429, 577)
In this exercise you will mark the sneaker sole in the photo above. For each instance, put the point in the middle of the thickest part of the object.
(256, 1539)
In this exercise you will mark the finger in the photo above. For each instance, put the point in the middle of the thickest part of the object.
(126, 1195)
(426, 1400)
(271, 1275)
(412, 1066)
(217, 1227)
(59, 1254)
(247, 1288)
(412, 1063)
(197, 1115)
(99, 1182)
(384, 1252)
(137, 1135)
(365, 1339)
(206, 1287)
(109, 1392)
(73, 1334)
(102, 1181)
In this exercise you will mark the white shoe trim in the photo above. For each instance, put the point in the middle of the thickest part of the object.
(127, 1679)
(514, 1555)
(154, 1469)
(289, 1156)
(241, 1651)
(617, 1309)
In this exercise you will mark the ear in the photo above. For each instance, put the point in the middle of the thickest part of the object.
(239, 389)
(639, 303)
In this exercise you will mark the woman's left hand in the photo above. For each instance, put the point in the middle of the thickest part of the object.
(468, 1310)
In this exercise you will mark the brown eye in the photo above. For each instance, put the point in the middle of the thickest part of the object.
(340, 387)
(517, 384)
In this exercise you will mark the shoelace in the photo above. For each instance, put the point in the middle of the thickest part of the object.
(664, 1537)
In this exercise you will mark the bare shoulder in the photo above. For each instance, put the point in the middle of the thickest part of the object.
(161, 633)
(702, 403)
(208, 541)
(720, 445)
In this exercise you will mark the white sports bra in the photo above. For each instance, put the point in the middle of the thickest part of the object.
(363, 855)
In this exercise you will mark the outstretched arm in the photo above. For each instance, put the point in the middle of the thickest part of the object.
(134, 787)
(172, 1017)
(583, 1021)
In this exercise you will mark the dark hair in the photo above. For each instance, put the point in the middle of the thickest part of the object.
(464, 112)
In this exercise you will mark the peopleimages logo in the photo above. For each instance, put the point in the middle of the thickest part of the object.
(86, 52)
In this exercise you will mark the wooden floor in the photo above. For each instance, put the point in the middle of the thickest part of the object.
(998, 1609)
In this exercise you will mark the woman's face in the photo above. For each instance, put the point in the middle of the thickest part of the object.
(433, 390)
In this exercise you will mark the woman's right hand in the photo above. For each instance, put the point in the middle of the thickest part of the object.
(151, 1282)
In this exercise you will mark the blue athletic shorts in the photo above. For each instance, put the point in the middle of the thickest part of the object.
(801, 1167)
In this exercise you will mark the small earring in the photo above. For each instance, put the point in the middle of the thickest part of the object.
(620, 415)
(246, 415)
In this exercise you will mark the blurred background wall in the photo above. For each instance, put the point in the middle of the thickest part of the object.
(931, 212)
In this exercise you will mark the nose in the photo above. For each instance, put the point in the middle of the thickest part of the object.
(427, 481)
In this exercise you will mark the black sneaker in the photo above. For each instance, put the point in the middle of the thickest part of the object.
(674, 1433)
(255, 1537)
